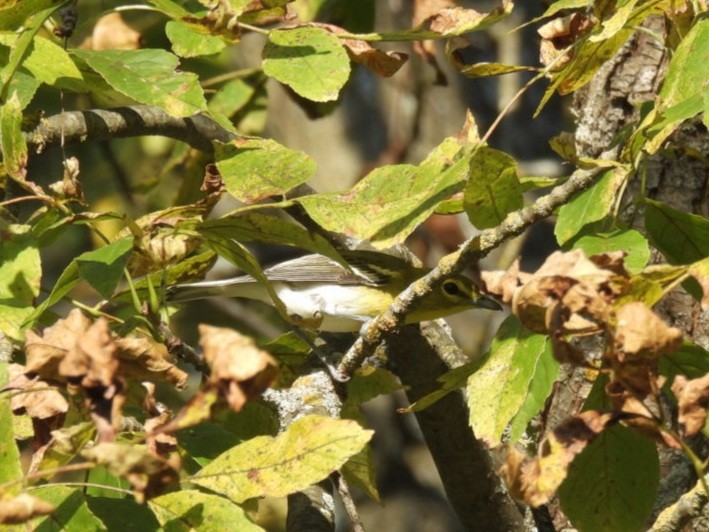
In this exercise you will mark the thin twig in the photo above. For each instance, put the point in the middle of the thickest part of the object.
(85, 485)
(47, 472)
(344, 491)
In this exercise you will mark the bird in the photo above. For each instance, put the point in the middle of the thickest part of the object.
(321, 294)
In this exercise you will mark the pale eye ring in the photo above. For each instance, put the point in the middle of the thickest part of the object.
(451, 288)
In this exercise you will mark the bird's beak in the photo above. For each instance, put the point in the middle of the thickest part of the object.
(488, 303)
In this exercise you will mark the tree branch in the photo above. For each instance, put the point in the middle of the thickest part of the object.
(122, 122)
(471, 251)
(468, 474)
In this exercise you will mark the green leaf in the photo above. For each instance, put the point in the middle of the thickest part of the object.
(103, 267)
(617, 21)
(101, 476)
(122, 514)
(612, 484)
(238, 255)
(493, 189)
(482, 70)
(680, 96)
(189, 43)
(14, 14)
(591, 205)
(20, 275)
(10, 467)
(49, 63)
(270, 229)
(691, 360)
(72, 513)
(194, 510)
(254, 169)
(560, 5)
(681, 237)
(497, 391)
(307, 452)
(205, 441)
(630, 241)
(93, 266)
(236, 100)
(387, 205)
(14, 147)
(23, 45)
(149, 77)
(448, 382)
(309, 60)
(540, 387)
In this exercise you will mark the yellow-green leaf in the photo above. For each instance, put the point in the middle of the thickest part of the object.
(307, 452)
(497, 391)
(254, 169)
(149, 77)
(591, 205)
(195, 510)
(309, 60)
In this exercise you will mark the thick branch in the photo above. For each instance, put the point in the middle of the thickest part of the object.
(464, 464)
(105, 124)
(471, 251)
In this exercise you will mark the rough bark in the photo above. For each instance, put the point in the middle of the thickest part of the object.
(464, 464)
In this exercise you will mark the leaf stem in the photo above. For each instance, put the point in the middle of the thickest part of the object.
(47, 472)
(85, 485)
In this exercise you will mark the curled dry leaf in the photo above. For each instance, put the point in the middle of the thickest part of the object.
(92, 359)
(159, 443)
(37, 398)
(535, 480)
(149, 475)
(44, 353)
(112, 32)
(639, 339)
(559, 34)
(693, 398)
(503, 283)
(22, 508)
(240, 370)
(144, 358)
(569, 293)
(640, 333)
(384, 64)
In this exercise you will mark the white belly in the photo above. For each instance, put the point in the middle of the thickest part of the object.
(337, 307)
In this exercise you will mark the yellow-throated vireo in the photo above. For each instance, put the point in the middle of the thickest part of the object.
(323, 295)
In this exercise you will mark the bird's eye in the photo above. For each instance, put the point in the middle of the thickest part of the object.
(451, 288)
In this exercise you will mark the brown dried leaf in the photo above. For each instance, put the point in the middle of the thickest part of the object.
(148, 474)
(240, 370)
(693, 398)
(144, 358)
(112, 32)
(384, 64)
(22, 508)
(535, 481)
(159, 443)
(33, 396)
(44, 353)
(92, 359)
(504, 284)
(558, 34)
(640, 333)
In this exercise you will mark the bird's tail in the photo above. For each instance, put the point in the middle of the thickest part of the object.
(236, 287)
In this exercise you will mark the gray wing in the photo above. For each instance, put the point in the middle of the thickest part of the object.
(319, 269)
